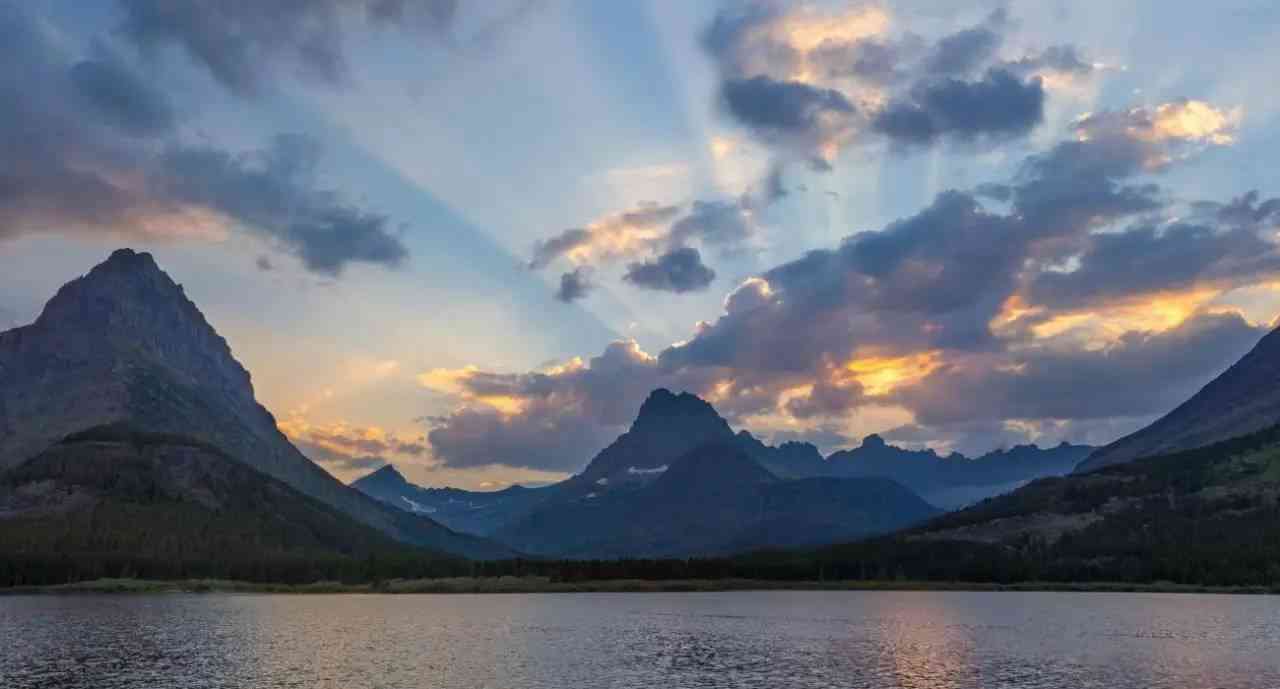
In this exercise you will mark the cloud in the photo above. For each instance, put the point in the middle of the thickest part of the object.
(1000, 105)
(345, 450)
(574, 285)
(726, 224)
(91, 147)
(340, 464)
(240, 42)
(120, 97)
(1082, 301)
(1058, 59)
(352, 440)
(613, 236)
(809, 82)
(272, 192)
(1149, 259)
(661, 237)
(881, 62)
(678, 271)
(791, 113)
(1142, 373)
(555, 419)
(967, 50)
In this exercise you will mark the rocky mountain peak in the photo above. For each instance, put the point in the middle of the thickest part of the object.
(664, 407)
(127, 308)
(386, 476)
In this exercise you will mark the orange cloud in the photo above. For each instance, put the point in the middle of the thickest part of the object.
(881, 375)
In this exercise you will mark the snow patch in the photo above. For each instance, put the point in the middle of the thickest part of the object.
(419, 508)
(644, 472)
(602, 482)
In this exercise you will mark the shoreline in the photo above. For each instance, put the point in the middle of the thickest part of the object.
(528, 585)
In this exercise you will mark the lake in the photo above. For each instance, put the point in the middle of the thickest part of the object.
(653, 641)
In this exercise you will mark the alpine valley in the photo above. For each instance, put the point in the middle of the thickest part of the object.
(131, 444)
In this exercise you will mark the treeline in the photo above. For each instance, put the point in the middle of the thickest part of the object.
(1080, 560)
(1208, 517)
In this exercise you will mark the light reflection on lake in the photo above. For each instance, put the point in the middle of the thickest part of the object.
(654, 641)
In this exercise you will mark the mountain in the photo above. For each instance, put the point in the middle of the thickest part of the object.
(789, 460)
(679, 482)
(1207, 516)
(123, 344)
(474, 512)
(633, 499)
(1244, 399)
(112, 501)
(667, 426)
(715, 500)
(955, 480)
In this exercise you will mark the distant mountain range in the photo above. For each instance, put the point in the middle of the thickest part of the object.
(1194, 498)
(129, 433)
(124, 345)
(681, 482)
(955, 480)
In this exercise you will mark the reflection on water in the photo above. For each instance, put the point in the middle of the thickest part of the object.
(654, 641)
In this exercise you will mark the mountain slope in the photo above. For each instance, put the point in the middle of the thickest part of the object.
(1208, 516)
(112, 501)
(1244, 399)
(123, 344)
(713, 500)
(474, 512)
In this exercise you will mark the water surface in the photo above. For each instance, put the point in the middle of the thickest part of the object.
(651, 641)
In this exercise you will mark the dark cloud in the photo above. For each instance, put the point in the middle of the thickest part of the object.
(716, 223)
(1247, 210)
(273, 192)
(120, 97)
(678, 271)
(1000, 105)
(574, 285)
(789, 113)
(540, 438)
(904, 87)
(662, 235)
(546, 251)
(964, 51)
(1141, 374)
(1148, 259)
(89, 148)
(782, 106)
(1063, 59)
(826, 399)
(238, 42)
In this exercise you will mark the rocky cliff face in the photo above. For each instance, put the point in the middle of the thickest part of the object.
(667, 426)
(124, 344)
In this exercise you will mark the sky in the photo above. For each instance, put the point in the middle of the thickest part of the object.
(469, 238)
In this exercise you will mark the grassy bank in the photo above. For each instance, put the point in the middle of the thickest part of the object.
(546, 585)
